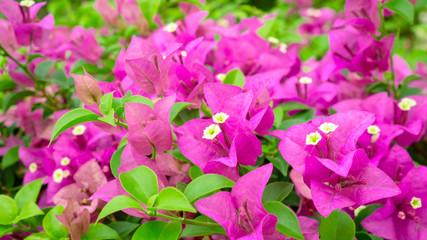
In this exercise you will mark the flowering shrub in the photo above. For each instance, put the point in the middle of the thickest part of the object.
(138, 119)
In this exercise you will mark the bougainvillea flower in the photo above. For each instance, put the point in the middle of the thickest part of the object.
(367, 9)
(149, 128)
(397, 164)
(75, 219)
(332, 140)
(363, 184)
(147, 66)
(23, 19)
(217, 145)
(251, 220)
(403, 216)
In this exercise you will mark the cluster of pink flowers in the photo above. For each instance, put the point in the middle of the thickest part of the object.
(350, 153)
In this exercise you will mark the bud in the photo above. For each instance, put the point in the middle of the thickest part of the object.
(87, 89)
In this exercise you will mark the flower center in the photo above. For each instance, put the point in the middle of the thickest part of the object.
(313, 138)
(328, 127)
(27, 3)
(305, 80)
(65, 161)
(211, 131)
(416, 202)
(221, 76)
(58, 175)
(245, 217)
(171, 27)
(220, 117)
(406, 104)
(33, 167)
(79, 130)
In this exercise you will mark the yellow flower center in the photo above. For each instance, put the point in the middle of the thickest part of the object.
(313, 138)
(305, 80)
(211, 132)
(79, 130)
(406, 104)
(58, 175)
(416, 203)
(65, 161)
(33, 167)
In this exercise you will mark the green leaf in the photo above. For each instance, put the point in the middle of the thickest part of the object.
(5, 229)
(43, 69)
(287, 222)
(279, 163)
(338, 225)
(59, 78)
(34, 56)
(289, 106)
(14, 97)
(277, 191)
(285, 125)
(206, 184)
(140, 182)
(139, 99)
(6, 84)
(177, 108)
(198, 231)
(100, 231)
(119, 203)
(28, 193)
(38, 236)
(123, 228)
(402, 7)
(106, 103)
(30, 209)
(157, 230)
(235, 77)
(72, 118)
(52, 225)
(116, 160)
(363, 236)
(363, 213)
(10, 157)
(8, 210)
(195, 172)
(172, 199)
(109, 118)
(409, 79)
(278, 116)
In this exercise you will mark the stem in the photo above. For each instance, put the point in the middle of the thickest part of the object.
(189, 221)
(120, 123)
(25, 68)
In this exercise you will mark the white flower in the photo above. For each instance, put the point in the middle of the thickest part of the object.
(220, 117)
(313, 138)
(328, 127)
(79, 130)
(171, 27)
(33, 167)
(58, 175)
(27, 3)
(374, 129)
(211, 131)
(65, 161)
(406, 104)
(416, 202)
(221, 76)
(283, 47)
(305, 80)
(273, 40)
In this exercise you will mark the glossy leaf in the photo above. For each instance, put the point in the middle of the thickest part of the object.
(287, 222)
(8, 210)
(43, 69)
(119, 203)
(172, 199)
(140, 182)
(115, 161)
(10, 157)
(72, 118)
(100, 231)
(338, 225)
(402, 7)
(157, 230)
(14, 97)
(30, 209)
(106, 103)
(206, 184)
(277, 191)
(235, 77)
(177, 108)
(139, 99)
(28, 193)
(52, 225)
(123, 228)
